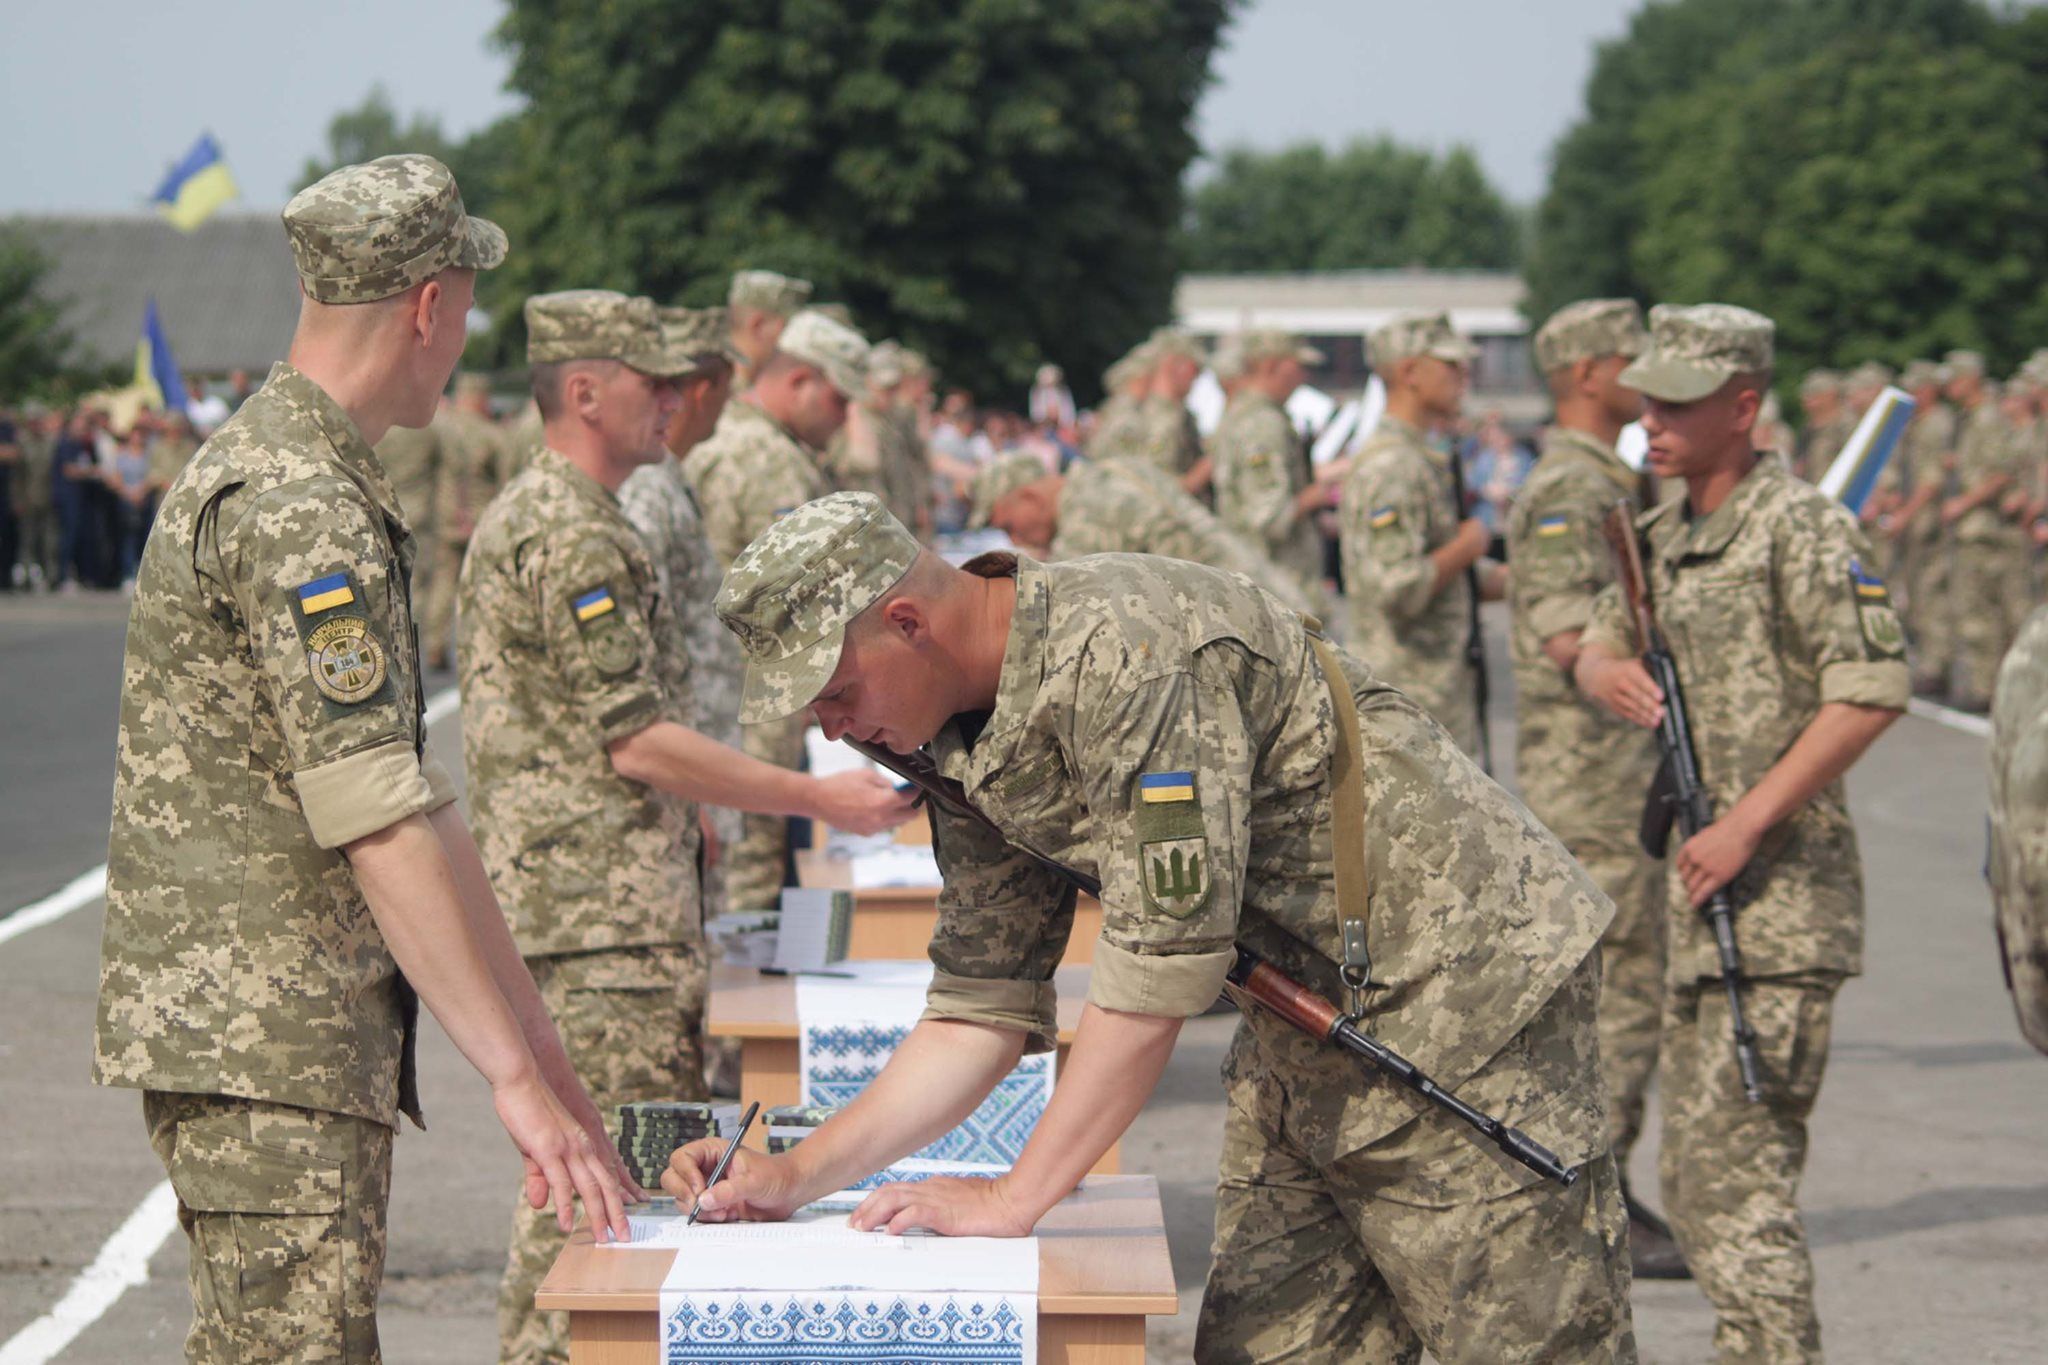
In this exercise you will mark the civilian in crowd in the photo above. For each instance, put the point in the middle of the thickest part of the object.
(1051, 404)
(134, 497)
(74, 483)
(1495, 465)
(10, 526)
(207, 410)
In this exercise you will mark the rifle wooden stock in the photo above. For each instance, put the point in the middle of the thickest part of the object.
(1475, 639)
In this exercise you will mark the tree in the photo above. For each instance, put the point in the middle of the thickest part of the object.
(36, 350)
(1881, 200)
(1372, 204)
(373, 129)
(995, 181)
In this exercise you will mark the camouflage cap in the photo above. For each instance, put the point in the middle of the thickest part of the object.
(1131, 366)
(1001, 477)
(1168, 341)
(1920, 374)
(1226, 362)
(366, 232)
(769, 292)
(694, 336)
(1959, 363)
(1271, 344)
(1820, 380)
(1696, 349)
(1871, 374)
(885, 365)
(1587, 330)
(838, 312)
(836, 350)
(599, 324)
(1416, 334)
(914, 363)
(791, 593)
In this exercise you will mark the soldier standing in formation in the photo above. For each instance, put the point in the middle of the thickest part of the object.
(1265, 490)
(474, 463)
(759, 304)
(1922, 482)
(1987, 601)
(1406, 543)
(583, 776)
(1792, 663)
(1581, 771)
(1118, 422)
(1828, 423)
(286, 866)
(412, 458)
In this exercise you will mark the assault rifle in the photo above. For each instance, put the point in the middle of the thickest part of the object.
(1678, 795)
(1254, 977)
(1475, 641)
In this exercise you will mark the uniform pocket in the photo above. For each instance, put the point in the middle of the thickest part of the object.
(267, 1224)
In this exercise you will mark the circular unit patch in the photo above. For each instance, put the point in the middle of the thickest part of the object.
(346, 661)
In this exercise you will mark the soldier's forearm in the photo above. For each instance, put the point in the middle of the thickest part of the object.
(494, 939)
(696, 767)
(1829, 746)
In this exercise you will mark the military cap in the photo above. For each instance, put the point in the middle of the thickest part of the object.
(914, 363)
(1416, 334)
(1696, 349)
(366, 232)
(836, 350)
(768, 291)
(1168, 341)
(885, 365)
(1918, 374)
(1001, 477)
(599, 324)
(696, 335)
(791, 593)
(1871, 374)
(1820, 380)
(1268, 343)
(838, 312)
(1964, 362)
(1587, 330)
(1130, 366)
(1227, 360)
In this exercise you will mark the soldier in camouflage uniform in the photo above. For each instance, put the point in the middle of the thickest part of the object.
(906, 455)
(1265, 490)
(1792, 662)
(1987, 594)
(469, 473)
(1167, 436)
(761, 462)
(1827, 427)
(1119, 426)
(1406, 545)
(2018, 859)
(759, 304)
(286, 868)
(1583, 772)
(1103, 712)
(582, 776)
(1122, 507)
(1920, 475)
(854, 461)
(412, 457)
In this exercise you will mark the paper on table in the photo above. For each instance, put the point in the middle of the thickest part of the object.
(896, 865)
(814, 1251)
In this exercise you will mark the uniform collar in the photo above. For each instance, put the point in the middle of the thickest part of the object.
(289, 384)
(1708, 536)
(1017, 687)
(1401, 429)
(748, 410)
(585, 487)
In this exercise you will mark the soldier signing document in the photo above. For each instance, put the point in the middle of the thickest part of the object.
(1167, 729)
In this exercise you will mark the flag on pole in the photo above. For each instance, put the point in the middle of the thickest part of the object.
(196, 186)
(1854, 473)
(156, 373)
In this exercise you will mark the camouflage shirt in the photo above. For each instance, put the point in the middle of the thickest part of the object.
(658, 501)
(1166, 728)
(270, 715)
(1397, 509)
(1986, 446)
(2018, 859)
(565, 645)
(1261, 468)
(853, 461)
(1119, 429)
(1582, 771)
(412, 457)
(751, 471)
(1127, 506)
(469, 474)
(1771, 611)
(1821, 445)
(1168, 436)
(906, 466)
(1929, 439)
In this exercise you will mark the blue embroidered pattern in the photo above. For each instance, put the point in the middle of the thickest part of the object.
(842, 1058)
(843, 1325)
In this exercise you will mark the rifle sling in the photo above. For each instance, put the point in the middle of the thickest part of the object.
(1347, 824)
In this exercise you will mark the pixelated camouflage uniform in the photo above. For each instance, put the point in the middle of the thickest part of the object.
(1119, 428)
(1261, 467)
(1581, 771)
(1988, 592)
(566, 646)
(1817, 451)
(907, 465)
(1924, 551)
(2018, 858)
(1167, 435)
(1771, 613)
(1397, 509)
(750, 471)
(244, 985)
(471, 470)
(412, 458)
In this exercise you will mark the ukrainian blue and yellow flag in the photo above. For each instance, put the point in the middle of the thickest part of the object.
(196, 186)
(593, 604)
(1156, 787)
(324, 593)
(156, 373)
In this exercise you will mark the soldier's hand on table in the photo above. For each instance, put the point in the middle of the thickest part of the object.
(950, 1205)
(1715, 856)
(756, 1187)
(863, 802)
(563, 1164)
(1624, 687)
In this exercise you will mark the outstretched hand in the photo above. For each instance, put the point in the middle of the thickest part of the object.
(950, 1205)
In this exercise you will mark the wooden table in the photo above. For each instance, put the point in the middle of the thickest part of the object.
(894, 923)
(1102, 1269)
(760, 1011)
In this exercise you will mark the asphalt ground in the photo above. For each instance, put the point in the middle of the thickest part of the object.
(1927, 1188)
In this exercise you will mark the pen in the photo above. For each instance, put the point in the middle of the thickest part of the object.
(725, 1160)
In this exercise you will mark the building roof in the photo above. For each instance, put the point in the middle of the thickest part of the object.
(227, 293)
(1337, 302)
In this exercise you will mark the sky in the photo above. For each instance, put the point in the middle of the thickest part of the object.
(98, 97)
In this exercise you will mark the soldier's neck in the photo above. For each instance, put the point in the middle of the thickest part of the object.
(987, 606)
(1407, 405)
(588, 451)
(1704, 493)
(1589, 418)
(357, 378)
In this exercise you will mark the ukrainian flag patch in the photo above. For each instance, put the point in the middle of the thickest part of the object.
(1385, 517)
(324, 593)
(1869, 586)
(595, 603)
(1155, 788)
(1553, 526)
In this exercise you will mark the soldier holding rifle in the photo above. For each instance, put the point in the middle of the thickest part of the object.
(1172, 734)
(1791, 662)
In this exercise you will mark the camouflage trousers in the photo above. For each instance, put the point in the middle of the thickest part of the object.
(283, 1209)
(1930, 620)
(437, 615)
(632, 1022)
(1631, 1013)
(1989, 598)
(1420, 1238)
(756, 868)
(1730, 1169)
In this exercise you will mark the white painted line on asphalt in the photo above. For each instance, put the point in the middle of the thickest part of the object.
(122, 1263)
(83, 889)
(442, 705)
(1979, 726)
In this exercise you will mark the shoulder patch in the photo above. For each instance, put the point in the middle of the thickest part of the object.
(1874, 613)
(590, 605)
(325, 594)
(1553, 525)
(345, 659)
(1385, 518)
(1157, 787)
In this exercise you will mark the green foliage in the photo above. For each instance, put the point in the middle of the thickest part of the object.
(1371, 204)
(374, 128)
(994, 181)
(36, 351)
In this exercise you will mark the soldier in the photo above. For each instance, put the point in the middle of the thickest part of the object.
(1117, 506)
(412, 458)
(1582, 772)
(2018, 858)
(899, 382)
(759, 305)
(471, 470)
(1265, 490)
(760, 462)
(1406, 544)
(1915, 482)
(1860, 388)
(1196, 713)
(583, 778)
(1792, 662)
(854, 459)
(286, 868)
(1987, 598)
(1828, 423)
(34, 503)
(1167, 436)
(1119, 427)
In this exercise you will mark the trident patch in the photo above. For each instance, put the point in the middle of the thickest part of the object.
(1176, 874)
